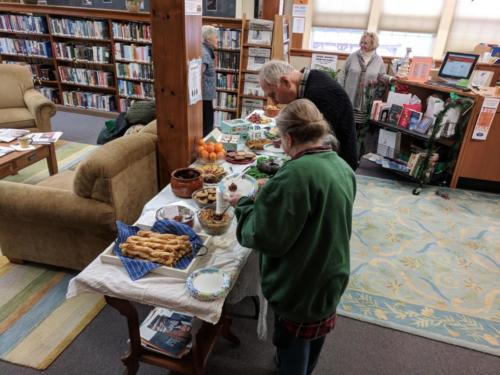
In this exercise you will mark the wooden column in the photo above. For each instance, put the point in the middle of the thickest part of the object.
(271, 8)
(176, 41)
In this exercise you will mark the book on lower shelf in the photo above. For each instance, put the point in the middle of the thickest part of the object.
(388, 143)
(45, 138)
(89, 100)
(167, 332)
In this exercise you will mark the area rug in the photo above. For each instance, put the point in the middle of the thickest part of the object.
(68, 154)
(426, 265)
(36, 321)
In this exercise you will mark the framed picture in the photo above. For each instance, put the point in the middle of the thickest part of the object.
(414, 120)
(212, 5)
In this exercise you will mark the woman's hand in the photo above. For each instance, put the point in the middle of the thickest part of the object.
(233, 199)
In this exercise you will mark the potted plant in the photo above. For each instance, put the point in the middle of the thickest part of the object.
(133, 5)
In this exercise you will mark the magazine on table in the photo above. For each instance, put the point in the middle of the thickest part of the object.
(45, 138)
(5, 150)
(167, 332)
(9, 135)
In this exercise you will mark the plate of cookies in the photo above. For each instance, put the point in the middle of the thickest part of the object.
(204, 196)
(168, 248)
(257, 144)
(211, 173)
(240, 157)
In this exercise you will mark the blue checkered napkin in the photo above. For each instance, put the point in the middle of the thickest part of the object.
(137, 268)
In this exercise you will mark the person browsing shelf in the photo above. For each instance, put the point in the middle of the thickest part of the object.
(283, 84)
(209, 37)
(300, 224)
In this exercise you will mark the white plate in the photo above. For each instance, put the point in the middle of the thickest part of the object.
(247, 186)
(208, 284)
(18, 147)
(276, 150)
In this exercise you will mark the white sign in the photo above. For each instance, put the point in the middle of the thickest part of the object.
(324, 62)
(485, 119)
(193, 7)
(194, 81)
(299, 10)
(298, 25)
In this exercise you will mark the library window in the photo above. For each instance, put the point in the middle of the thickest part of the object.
(335, 39)
(394, 43)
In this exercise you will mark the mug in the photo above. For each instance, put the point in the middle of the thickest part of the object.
(24, 142)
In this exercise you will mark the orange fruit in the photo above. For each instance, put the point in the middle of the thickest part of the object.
(212, 156)
(218, 147)
(200, 150)
(204, 154)
(210, 147)
(201, 142)
(221, 155)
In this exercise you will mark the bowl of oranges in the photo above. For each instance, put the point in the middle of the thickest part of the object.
(210, 152)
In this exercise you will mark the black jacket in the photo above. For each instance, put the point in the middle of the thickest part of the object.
(333, 102)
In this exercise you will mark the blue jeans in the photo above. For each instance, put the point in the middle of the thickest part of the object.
(295, 356)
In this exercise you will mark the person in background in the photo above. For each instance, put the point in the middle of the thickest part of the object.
(283, 84)
(361, 68)
(300, 225)
(209, 38)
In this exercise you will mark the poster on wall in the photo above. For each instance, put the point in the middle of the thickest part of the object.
(485, 119)
(194, 81)
(324, 62)
(299, 24)
(194, 7)
(299, 10)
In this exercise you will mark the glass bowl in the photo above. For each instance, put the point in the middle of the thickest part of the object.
(215, 227)
(177, 213)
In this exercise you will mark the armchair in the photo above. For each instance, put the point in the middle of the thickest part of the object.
(69, 218)
(21, 106)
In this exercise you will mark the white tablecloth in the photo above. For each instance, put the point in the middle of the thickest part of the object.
(158, 290)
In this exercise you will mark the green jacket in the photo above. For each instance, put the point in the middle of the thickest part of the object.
(300, 223)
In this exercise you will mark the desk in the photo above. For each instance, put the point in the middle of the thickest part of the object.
(113, 282)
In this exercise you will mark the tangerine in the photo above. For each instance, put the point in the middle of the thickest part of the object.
(218, 147)
(210, 147)
(204, 155)
(221, 155)
(201, 142)
(213, 156)
(200, 150)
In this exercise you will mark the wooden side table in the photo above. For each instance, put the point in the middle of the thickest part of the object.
(13, 162)
(191, 364)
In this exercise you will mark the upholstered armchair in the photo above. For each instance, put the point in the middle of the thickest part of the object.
(70, 218)
(21, 106)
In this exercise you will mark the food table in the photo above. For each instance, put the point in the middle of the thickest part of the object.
(224, 252)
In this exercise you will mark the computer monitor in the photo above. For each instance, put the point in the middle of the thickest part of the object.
(457, 65)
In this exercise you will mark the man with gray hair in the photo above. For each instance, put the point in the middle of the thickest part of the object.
(282, 83)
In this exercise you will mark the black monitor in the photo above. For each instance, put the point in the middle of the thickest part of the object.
(457, 65)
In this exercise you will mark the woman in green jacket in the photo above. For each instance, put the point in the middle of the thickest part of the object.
(300, 224)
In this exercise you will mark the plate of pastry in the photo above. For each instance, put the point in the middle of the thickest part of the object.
(240, 157)
(257, 144)
(204, 196)
(212, 173)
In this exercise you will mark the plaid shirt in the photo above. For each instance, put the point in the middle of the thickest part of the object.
(310, 331)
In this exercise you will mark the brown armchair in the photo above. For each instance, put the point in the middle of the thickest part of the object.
(21, 106)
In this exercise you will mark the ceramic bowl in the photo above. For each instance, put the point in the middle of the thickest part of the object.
(186, 180)
(178, 213)
(213, 227)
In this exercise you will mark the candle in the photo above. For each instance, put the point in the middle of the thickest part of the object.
(218, 201)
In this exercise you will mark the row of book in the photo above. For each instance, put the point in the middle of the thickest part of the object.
(38, 71)
(249, 105)
(125, 103)
(227, 81)
(89, 100)
(134, 70)
(79, 28)
(23, 24)
(257, 57)
(132, 52)
(71, 51)
(228, 38)
(139, 90)
(132, 31)
(49, 92)
(86, 76)
(226, 100)
(227, 60)
(220, 116)
(25, 47)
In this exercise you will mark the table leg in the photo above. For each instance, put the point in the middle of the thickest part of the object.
(131, 360)
(52, 160)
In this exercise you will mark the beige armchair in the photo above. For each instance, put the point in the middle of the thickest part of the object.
(21, 106)
(69, 218)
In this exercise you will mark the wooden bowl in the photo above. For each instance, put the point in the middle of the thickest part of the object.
(184, 181)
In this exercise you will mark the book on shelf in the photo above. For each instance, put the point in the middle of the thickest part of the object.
(257, 57)
(394, 114)
(252, 86)
(89, 100)
(38, 71)
(394, 165)
(416, 163)
(388, 143)
(248, 105)
(88, 77)
(45, 138)
(227, 81)
(134, 70)
(260, 32)
(23, 23)
(220, 116)
(25, 47)
(132, 52)
(404, 119)
(424, 124)
(82, 52)
(227, 59)
(414, 120)
(226, 100)
(49, 92)
(79, 28)
(167, 332)
(9, 135)
(138, 90)
(132, 31)
(228, 38)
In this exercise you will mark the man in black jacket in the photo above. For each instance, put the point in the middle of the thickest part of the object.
(283, 84)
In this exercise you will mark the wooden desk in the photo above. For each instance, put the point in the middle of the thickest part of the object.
(15, 161)
(191, 364)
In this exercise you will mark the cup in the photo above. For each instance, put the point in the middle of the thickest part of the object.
(24, 142)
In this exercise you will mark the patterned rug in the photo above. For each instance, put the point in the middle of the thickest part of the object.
(69, 154)
(36, 321)
(426, 265)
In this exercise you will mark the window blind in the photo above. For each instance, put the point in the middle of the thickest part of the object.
(341, 13)
(420, 16)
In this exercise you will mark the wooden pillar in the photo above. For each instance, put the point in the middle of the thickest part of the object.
(271, 8)
(176, 41)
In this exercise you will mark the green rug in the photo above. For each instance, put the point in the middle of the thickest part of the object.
(68, 154)
(426, 265)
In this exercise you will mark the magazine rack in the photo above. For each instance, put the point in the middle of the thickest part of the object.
(204, 338)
